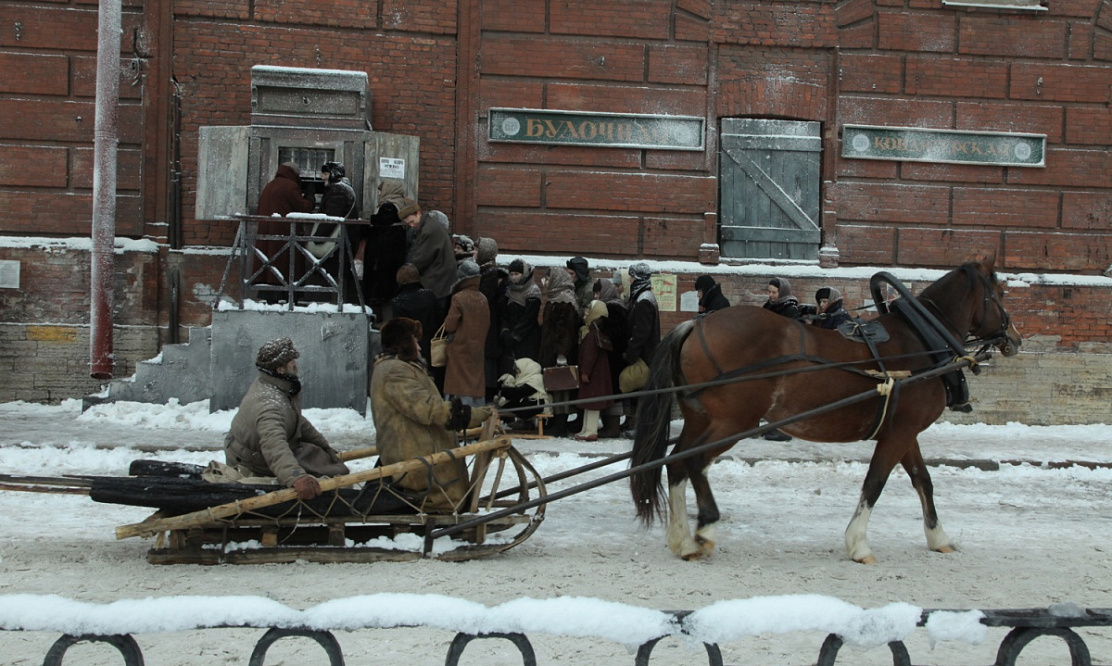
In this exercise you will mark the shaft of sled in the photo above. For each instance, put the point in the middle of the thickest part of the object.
(356, 454)
(151, 527)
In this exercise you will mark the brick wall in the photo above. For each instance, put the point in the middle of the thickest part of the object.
(47, 93)
(940, 69)
(876, 62)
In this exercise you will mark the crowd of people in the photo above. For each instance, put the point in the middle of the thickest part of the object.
(553, 346)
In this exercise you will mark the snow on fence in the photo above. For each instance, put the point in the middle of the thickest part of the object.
(634, 627)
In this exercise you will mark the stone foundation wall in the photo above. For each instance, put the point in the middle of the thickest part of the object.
(50, 362)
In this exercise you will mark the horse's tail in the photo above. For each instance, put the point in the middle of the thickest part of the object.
(654, 416)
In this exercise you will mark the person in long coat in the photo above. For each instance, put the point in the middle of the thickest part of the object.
(492, 284)
(644, 336)
(416, 302)
(467, 322)
(270, 437)
(281, 196)
(521, 310)
(594, 370)
(413, 420)
(560, 322)
(431, 253)
(616, 327)
(383, 247)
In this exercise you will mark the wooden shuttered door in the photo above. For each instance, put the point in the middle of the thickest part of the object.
(769, 180)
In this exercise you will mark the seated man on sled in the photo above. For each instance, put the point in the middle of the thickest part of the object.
(270, 437)
(413, 419)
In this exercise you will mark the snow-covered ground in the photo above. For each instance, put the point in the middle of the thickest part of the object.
(1033, 531)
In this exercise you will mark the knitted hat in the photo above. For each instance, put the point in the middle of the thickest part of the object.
(396, 333)
(467, 269)
(276, 353)
(704, 283)
(293, 166)
(517, 266)
(407, 274)
(408, 208)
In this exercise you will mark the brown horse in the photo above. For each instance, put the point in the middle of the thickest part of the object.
(753, 364)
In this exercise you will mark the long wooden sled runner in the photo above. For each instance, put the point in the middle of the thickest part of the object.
(360, 517)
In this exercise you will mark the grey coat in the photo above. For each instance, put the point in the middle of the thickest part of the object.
(433, 257)
(270, 437)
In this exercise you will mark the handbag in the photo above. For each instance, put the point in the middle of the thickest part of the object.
(561, 378)
(438, 348)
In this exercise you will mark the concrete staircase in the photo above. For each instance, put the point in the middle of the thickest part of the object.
(181, 371)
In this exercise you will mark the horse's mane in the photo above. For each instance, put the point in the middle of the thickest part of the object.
(943, 285)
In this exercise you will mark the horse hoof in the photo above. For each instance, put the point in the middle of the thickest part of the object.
(692, 556)
(946, 549)
(868, 559)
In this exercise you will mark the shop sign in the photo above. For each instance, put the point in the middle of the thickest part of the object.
(928, 145)
(604, 130)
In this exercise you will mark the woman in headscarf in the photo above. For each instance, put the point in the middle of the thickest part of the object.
(594, 370)
(521, 309)
(616, 327)
(559, 322)
(780, 299)
(830, 312)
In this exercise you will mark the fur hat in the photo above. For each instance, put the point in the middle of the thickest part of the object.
(640, 271)
(276, 353)
(467, 269)
(463, 244)
(580, 266)
(407, 274)
(704, 283)
(293, 167)
(396, 333)
(408, 208)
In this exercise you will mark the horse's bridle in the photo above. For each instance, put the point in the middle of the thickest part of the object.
(989, 295)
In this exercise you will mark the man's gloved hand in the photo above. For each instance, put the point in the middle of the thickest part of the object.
(307, 487)
(479, 415)
(460, 416)
(357, 265)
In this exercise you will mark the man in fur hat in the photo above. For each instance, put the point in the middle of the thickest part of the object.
(270, 437)
(413, 420)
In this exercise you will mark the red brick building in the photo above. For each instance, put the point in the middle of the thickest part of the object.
(437, 69)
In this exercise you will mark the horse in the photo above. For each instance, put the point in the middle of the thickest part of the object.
(745, 363)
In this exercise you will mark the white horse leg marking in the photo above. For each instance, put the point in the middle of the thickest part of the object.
(707, 535)
(937, 540)
(679, 529)
(857, 542)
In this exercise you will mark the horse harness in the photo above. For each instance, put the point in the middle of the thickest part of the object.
(942, 347)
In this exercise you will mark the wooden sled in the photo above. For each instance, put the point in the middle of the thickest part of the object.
(360, 517)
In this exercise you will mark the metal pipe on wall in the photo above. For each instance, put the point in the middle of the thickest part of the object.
(106, 139)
